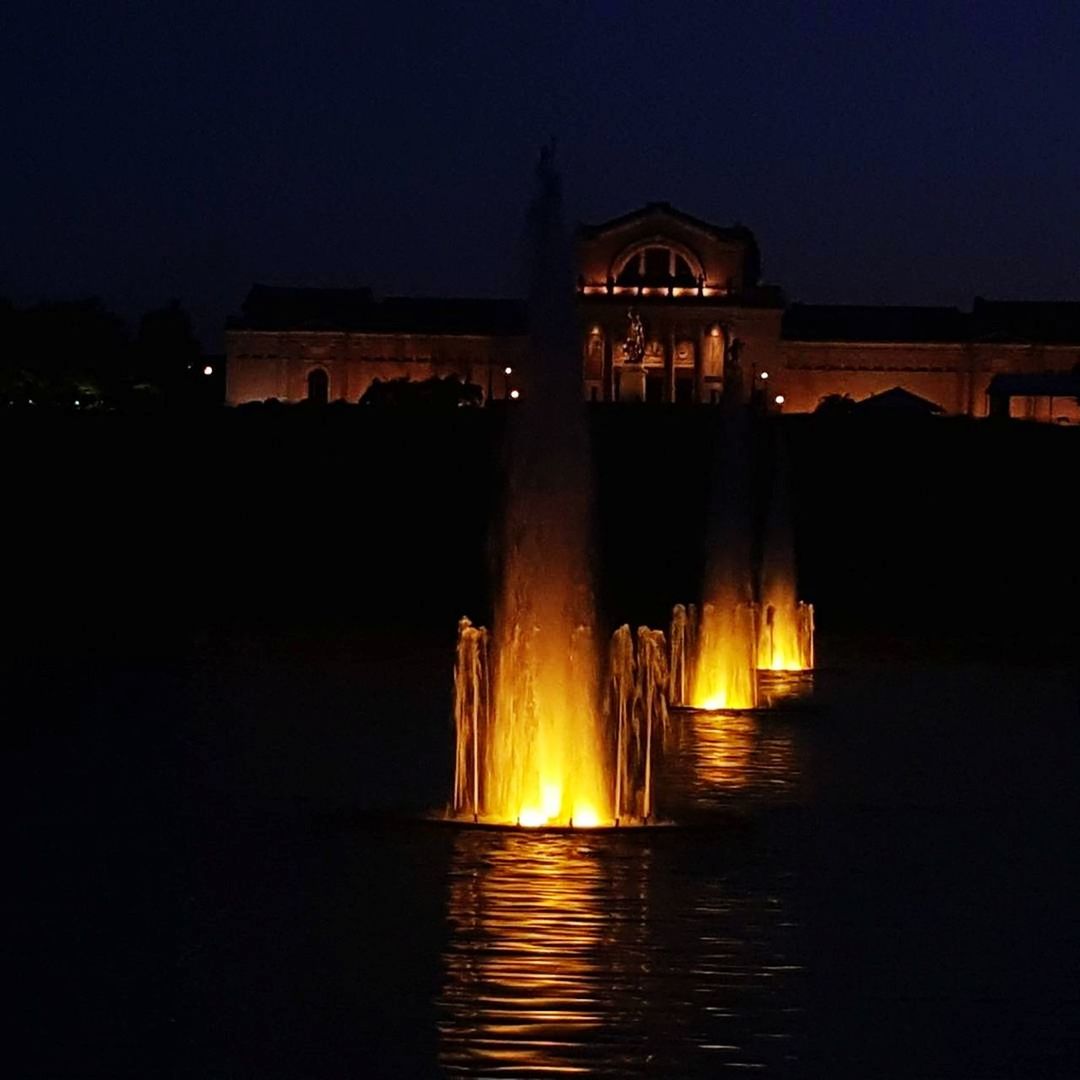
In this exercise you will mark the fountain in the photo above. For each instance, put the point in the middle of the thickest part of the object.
(786, 624)
(742, 652)
(534, 745)
(541, 739)
(725, 659)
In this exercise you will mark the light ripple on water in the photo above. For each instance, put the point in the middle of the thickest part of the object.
(601, 956)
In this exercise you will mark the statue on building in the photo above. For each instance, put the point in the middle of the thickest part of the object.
(733, 374)
(635, 338)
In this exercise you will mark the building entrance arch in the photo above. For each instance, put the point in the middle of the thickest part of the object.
(318, 386)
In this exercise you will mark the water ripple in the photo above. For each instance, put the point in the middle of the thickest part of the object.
(603, 956)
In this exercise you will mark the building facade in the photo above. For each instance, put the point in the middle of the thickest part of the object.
(672, 309)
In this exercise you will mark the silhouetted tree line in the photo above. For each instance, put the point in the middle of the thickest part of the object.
(434, 392)
(79, 354)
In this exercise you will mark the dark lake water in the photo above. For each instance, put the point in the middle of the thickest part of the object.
(884, 885)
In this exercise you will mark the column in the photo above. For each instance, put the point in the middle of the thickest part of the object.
(608, 393)
(669, 366)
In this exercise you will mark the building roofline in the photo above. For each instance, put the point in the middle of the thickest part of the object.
(737, 231)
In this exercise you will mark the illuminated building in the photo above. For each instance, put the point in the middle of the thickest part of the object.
(672, 309)
(332, 344)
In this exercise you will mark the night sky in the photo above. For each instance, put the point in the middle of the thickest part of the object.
(892, 153)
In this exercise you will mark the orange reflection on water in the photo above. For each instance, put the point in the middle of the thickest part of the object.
(735, 752)
(524, 990)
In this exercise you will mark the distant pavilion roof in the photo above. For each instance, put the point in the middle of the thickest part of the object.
(273, 307)
(898, 400)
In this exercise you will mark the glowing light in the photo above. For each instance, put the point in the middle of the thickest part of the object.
(764, 375)
(725, 668)
(508, 371)
(786, 634)
(779, 399)
(76, 403)
(526, 1001)
(208, 370)
(531, 746)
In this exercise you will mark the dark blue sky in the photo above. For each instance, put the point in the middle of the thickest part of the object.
(882, 152)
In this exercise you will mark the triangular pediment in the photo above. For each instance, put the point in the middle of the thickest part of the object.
(666, 219)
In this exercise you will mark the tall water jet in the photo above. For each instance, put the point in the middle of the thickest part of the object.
(540, 759)
(638, 679)
(653, 677)
(726, 656)
(622, 700)
(472, 714)
(682, 643)
(785, 624)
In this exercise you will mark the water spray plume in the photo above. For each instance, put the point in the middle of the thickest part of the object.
(786, 625)
(724, 671)
(536, 751)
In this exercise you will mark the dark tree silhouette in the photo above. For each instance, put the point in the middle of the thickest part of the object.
(434, 392)
(61, 352)
(835, 405)
(167, 354)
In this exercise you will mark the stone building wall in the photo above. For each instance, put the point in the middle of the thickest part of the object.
(277, 364)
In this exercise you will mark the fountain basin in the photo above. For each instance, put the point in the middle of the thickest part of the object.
(509, 826)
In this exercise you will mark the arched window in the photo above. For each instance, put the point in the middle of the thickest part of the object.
(657, 265)
(318, 386)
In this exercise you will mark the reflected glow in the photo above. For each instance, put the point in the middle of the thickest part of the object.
(529, 919)
(600, 955)
(737, 753)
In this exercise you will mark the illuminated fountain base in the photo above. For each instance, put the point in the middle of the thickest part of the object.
(741, 658)
(516, 766)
